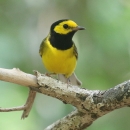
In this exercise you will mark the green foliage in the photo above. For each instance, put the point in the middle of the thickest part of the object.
(104, 55)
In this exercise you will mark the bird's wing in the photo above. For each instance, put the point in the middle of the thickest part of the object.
(75, 52)
(42, 47)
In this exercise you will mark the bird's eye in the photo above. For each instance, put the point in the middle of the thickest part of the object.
(65, 26)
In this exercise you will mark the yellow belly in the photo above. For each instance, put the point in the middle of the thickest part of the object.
(59, 61)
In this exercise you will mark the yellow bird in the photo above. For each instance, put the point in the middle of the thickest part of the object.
(58, 51)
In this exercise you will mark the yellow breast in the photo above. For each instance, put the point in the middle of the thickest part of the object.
(59, 61)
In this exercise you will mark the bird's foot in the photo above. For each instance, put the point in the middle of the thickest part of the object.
(68, 82)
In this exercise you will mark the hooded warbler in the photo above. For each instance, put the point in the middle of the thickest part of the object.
(58, 51)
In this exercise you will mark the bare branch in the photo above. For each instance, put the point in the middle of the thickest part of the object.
(20, 108)
(18, 77)
(29, 103)
(74, 121)
(90, 104)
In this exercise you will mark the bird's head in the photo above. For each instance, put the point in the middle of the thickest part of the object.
(65, 27)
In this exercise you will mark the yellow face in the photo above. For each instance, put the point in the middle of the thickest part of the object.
(65, 27)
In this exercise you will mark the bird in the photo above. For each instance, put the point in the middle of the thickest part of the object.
(59, 53)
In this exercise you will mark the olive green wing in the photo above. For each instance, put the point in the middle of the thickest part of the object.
(42, 46)
(75, 52)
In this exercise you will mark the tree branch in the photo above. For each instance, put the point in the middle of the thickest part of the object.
(28, 104)
(18, 77)
(90, 104)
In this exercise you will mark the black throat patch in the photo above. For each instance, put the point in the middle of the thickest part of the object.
(61, 41)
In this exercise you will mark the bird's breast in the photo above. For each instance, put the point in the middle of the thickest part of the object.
(59, 61)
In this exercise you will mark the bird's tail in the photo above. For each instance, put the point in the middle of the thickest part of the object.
(72, 79)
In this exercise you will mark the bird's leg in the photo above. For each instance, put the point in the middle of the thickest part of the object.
(68, 82)
(65, 79)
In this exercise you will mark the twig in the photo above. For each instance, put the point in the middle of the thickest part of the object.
(20, 108)
(25, 108)
(16, 76)
(28, 104)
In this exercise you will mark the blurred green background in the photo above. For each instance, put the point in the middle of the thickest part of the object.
(104, 55)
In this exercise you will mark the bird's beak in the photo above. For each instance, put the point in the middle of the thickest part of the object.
(78, 28)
